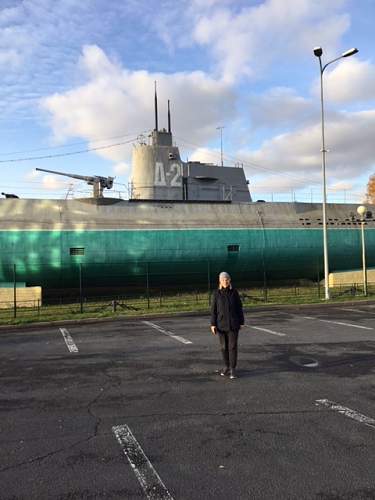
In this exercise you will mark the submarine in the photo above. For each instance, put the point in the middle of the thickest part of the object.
(183, 223)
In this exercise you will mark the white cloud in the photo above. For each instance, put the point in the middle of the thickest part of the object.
(341, 186)
(349, 138)
(121, 168)
(351, 80)
(208, 4)
(280, 107)
(117, 101)
(273, 183)
(31, 175)
(245, 42)
(40, 41)
(52, 183)
(206, 155)
(8, 15)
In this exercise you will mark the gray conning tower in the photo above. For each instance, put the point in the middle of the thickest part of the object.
(158, 173)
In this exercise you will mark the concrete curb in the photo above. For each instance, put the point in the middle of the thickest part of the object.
(84, 321)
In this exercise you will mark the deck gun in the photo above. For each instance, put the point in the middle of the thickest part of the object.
(98, 182)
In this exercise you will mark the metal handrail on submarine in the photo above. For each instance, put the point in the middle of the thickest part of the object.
(97, 181)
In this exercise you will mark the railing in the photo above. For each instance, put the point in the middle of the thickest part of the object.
(162, 300)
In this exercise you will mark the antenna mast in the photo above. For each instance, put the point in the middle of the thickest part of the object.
(156, 109)
(169, 118)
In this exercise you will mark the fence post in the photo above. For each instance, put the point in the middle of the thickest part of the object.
(160, 297)
(318, 283)
(14, 291)
(80, 288)
(208, 283)
(38, 308)
(147, 285)
(265, 290)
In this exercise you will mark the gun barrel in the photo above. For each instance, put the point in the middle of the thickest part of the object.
(74, 176)
(97, 181)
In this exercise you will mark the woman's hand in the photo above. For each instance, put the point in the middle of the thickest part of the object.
(213, 330)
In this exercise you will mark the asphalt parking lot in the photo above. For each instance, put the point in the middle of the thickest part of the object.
(134, 409)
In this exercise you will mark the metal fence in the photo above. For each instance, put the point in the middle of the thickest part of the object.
(135, 301)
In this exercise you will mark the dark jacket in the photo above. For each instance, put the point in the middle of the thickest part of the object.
(226, 310)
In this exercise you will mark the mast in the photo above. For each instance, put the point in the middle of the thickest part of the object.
(156, 109)
(169, 118)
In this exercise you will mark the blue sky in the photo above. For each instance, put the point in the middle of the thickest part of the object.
(80, 75)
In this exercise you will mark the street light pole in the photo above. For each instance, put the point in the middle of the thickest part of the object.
(221, 144)
(318, 51)
(362, 212)
(324, 151)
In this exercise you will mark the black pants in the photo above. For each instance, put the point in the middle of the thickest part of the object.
(228, 344)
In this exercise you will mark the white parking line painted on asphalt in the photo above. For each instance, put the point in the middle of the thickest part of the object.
(272, 332)
(68, 340)
(149, 479)
(359, 417)
(356, 310)
(339, 323)
(347, 324)
(352, 310)
(166, 332)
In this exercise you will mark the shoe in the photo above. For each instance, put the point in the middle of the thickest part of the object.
(224, 372)
(232, 374)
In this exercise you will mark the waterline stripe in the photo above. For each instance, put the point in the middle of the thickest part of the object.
(166, 332)
(149, 479)
(359, 417)
(266, 330)
(339, 323)
(68, 340)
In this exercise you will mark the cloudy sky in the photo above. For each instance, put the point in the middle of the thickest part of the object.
(78, 76)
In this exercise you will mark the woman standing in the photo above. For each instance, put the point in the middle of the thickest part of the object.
(226, 320)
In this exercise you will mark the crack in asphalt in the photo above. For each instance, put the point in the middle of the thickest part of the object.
(153, 415)
(85, 440)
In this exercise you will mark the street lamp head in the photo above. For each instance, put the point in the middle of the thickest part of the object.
(361, 210)
(350, 52)
(318, 51)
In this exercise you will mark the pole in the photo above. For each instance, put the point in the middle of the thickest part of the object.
(148, 286)
(324, 151)
(80, 289)
(318, 51)
(364, 259)
(318, 282)
(208, 283)
(221, 144)
(14, 291)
